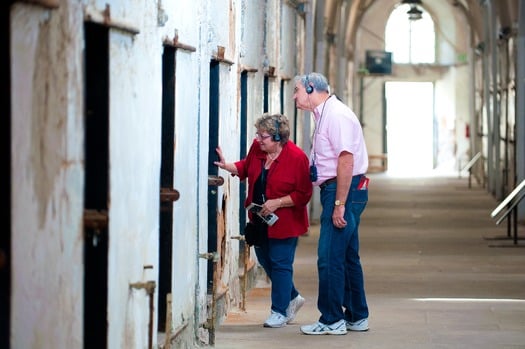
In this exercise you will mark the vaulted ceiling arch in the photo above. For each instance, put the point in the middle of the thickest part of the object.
(334, 18)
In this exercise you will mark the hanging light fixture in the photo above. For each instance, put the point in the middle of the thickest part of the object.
(414, 13)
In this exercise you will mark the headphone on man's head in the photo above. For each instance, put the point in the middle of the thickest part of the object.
(309, 87)
(277, 137)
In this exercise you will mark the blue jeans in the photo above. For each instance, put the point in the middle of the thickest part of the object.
(341, 281)
(276, 256)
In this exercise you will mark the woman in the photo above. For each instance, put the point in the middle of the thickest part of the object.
(278, 179)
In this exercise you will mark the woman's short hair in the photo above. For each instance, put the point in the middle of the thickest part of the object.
(276, 125)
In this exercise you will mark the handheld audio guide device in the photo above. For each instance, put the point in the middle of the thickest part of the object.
(269, 219)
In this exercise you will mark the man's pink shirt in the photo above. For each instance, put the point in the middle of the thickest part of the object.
(337, 129)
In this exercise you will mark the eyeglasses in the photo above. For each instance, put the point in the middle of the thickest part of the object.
(297, 89)
(262, 137)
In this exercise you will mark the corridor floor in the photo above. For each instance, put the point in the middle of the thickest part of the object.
(436, 275)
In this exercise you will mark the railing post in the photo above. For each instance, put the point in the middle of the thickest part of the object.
(511, 203)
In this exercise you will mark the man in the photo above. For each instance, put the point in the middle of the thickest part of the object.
(339, 161)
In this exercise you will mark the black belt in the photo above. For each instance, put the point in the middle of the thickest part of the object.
(333, 180)
(328, 181)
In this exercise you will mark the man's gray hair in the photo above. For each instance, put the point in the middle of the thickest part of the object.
(317, 80)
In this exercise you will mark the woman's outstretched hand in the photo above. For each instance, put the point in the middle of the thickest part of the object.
(221, 163)
(230, 167)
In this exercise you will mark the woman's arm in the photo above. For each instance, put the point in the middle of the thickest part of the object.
(230, 167)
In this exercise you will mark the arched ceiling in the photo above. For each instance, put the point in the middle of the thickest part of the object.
(474, 12)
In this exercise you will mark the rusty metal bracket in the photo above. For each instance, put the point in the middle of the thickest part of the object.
(215, 180)
(213, 256)
(238, 237)
(169, 195)
(149, 287)
(51, 4)
(104, 18)
(175, 42)
(95, 221)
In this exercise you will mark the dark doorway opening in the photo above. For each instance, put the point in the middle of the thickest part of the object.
(282, 95)
(96, 75)
(212, 169)
(5, 153)
(266, 94)
(243, 151)
(166, 181)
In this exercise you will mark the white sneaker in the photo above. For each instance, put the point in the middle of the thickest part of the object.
(360, 325)
(293, 307)
(275, 320)
(337, 328)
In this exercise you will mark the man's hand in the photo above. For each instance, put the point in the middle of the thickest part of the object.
(338, 216)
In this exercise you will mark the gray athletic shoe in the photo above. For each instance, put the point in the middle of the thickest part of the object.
(275, 320)
(293, 307)
(336, 328)
(360, 325)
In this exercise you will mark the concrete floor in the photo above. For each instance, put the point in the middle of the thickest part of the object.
(432, 277)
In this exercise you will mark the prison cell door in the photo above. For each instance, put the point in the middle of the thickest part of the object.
(167, 193)
(96, 191)
(214, 181)
(5, 136)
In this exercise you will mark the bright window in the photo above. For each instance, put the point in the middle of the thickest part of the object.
(410, 41)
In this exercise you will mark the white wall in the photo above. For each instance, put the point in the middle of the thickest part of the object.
(48, 157)
(47, 178)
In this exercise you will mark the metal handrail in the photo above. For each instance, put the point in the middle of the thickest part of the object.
(509, 197)
(471, 163)
(511, 209)
(468, 167)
